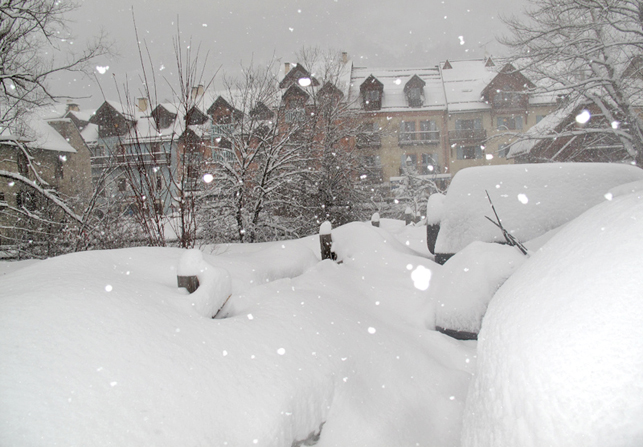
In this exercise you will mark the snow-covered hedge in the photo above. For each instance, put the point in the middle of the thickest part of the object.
(530, 199)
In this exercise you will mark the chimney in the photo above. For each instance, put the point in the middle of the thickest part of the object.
(286, 68)
(197, 91)
(72, 107)
(344, 57)
(142, 104)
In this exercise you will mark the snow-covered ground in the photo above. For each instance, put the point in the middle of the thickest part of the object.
(101, 348)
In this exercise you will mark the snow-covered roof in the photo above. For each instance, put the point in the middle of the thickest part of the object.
(540, 130)
(146, 130)
(90, 133)
(464, 83)
(394, 80)
(39, 134)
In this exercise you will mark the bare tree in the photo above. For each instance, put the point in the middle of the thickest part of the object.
(334, 191)
(589, 51)
(157, 162)
(256, 162)
(29, 30)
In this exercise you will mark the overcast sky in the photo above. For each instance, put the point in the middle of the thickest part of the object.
(374, 33)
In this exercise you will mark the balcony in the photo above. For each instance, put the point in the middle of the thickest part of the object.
(222, 130)
(368, 140)
(467, 135)
(419, 137)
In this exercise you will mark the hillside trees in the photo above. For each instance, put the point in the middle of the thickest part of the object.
(589, 51)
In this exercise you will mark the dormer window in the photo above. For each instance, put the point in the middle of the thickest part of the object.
(371, 92)
(414, 91)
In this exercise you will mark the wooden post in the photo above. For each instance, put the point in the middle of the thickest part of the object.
(408, 216)
(432, 231)
(189, 266)
(189, 282)
(375, 219)
(326, 241)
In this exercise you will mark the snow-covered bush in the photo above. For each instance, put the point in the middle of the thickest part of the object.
(530, 199)
(560, 352)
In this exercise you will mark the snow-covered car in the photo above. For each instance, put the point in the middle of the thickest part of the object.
(561, 346)
(529, 199)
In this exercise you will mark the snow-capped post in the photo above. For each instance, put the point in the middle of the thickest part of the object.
(375, 219)
(408, 216)
(189, 265)
(326, 241)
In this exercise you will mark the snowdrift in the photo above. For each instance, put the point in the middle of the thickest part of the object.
(102, 348)
(560, 353)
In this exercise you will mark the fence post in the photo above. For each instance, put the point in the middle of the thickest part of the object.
(188, 269)
(408, 216)
(326, 241)
(375, 219)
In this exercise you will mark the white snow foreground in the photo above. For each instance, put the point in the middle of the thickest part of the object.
(101, 348)
(560, 353)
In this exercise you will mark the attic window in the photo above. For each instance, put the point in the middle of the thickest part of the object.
(414, 90)
(371, 91)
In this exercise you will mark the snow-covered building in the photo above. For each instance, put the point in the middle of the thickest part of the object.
(49, 151)
(440, 119)
(132, 151)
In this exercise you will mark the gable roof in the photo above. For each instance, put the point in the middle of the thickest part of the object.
(508, 75)
(296, 73)
(39, 134)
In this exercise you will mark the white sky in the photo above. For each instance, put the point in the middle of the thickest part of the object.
(375, 34)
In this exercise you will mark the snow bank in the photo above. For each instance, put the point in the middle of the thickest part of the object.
(530, 199)
(465, 285)
(560, 353)
(100, 348)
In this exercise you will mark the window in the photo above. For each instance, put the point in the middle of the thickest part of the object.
(508, 100)
(158, 207)
(469, 152)
(429, 164)
(429, 131)
(509, 123)
(3, 202)
(58, 168)
(539, 118)
(414, 97)
(503, 150)
(295, 115)
(367, 135)
(26, 199)
(407, 132)
(471, 124)
(122, 185)
(23, 164)
(408, 163)
(371, 95)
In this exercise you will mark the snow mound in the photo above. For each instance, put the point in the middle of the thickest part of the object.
(468, 281)
(560, 353)
(101, 348)
(530, 199)
(434, 208)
